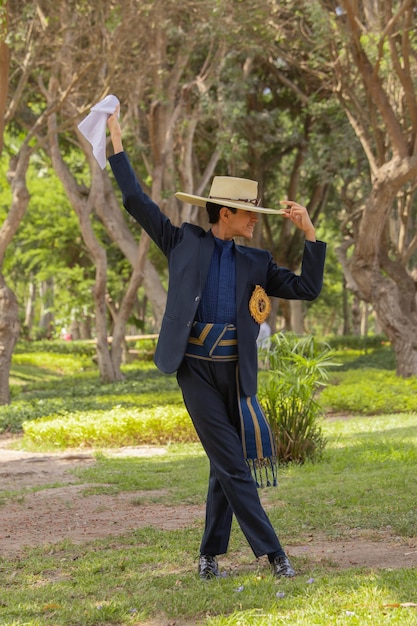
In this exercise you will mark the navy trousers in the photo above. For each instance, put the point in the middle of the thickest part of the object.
(210, 396)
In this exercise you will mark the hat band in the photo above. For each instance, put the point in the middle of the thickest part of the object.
(253, 201)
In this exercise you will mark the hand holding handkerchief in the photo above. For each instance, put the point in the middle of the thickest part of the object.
(93, 127)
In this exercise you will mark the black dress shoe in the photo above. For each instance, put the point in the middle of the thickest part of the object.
(282, 567)
(208, 567)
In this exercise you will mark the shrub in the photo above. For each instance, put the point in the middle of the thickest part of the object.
(86, 348)
(382, 358)
(297, 368)
(369, 392)
(117, 427)
(357, 342)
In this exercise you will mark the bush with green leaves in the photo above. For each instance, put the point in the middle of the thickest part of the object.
(380, 357)
(358, 342)
(86, 348)
(119, 426)
(297, 368)
(370, 392)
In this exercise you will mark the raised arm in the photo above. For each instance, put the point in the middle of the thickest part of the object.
(115, 131)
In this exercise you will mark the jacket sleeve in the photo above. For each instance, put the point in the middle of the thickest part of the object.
(283, 283)
(140, 206)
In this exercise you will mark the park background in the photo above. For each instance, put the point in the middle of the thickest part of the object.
(317, 101)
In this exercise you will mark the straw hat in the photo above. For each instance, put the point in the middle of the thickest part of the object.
(237, 193)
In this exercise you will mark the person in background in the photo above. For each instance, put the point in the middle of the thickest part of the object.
(263, 342)
(217, 298)
(264, 335)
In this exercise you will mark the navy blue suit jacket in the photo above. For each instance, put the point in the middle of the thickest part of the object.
(188, 249)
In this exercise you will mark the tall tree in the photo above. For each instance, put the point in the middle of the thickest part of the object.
(373, 51)
(166, 85)
(218, 92)
(84, 60)
(9, 322)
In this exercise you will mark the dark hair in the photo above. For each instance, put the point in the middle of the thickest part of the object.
(213, 211)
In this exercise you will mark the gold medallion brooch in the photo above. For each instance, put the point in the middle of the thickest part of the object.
(259, 305)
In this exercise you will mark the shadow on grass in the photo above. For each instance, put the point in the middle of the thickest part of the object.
(184, 475)
(382, 358)
(365, 481)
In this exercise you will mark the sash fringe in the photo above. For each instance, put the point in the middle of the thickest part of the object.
(264, 472)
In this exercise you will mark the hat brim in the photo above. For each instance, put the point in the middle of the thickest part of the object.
(246, 206)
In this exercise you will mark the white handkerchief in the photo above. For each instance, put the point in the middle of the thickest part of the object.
(93, 127)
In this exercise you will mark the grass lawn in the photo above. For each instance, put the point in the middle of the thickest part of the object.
(364, 487)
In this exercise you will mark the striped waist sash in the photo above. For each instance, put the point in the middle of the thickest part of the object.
(212, 342)
(218, 342)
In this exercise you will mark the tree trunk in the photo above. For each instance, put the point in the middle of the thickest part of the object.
(272, 320)
(47, 305)
(345, 307)
(30, 308)
(375, 84)
(85, 327)
(382, 281)
(4, 67)
(128, 303)
(154, 291)
(9, 333)
(117, 228)
(99, 255)
(285, 310)
(9, 314)
(364, 319)
(356, 316)
(401, 329)
(83, 207)
(297, 317)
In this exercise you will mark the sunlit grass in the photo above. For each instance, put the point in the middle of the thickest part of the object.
(365, 486)
(150, 574)
(149, 577)
(118, 426)
(49, 365)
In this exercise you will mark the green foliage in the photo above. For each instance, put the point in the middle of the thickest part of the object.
(76, 348)
(145, 348)
(297, 368)
(382, 358)
(59, 402)
(369, 392)
(358, 342)
(366, 382)
(119, 426)
(48, 244)
(47, 361)
(57, 382)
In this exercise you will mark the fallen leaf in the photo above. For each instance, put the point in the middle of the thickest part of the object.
(397, 605)
(51, 607)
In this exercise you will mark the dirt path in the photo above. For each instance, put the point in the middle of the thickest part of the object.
(65, 512)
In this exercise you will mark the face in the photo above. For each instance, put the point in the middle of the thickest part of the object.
(240, 224)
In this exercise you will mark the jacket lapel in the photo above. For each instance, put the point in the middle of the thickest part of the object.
(243, 263)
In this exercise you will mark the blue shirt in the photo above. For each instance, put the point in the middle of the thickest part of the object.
(218, 301)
